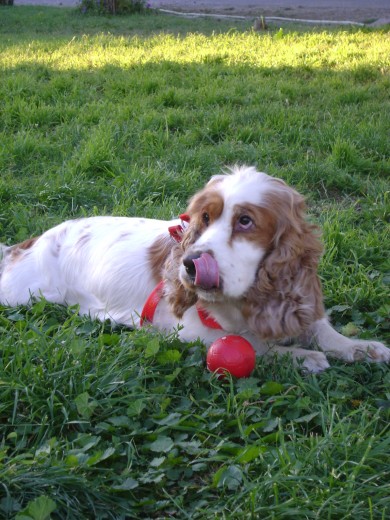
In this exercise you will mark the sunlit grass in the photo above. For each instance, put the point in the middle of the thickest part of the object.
(130, 116)
(336, 51)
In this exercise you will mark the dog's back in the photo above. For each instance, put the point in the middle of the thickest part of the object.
(99, 263)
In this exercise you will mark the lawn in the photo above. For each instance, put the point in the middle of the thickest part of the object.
(129, 116)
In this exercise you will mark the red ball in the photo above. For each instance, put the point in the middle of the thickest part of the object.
(232, 354)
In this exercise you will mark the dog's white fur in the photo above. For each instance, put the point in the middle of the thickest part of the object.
(251, 224)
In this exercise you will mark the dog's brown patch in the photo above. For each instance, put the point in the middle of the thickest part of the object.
(27, 244)
(208, 202)
(206, 207)
(264, 224)
(17, 250)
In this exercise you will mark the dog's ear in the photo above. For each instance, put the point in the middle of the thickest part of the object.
(287, 296)
(177, 296)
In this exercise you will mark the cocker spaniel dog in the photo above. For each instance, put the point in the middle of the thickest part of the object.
(241, 260)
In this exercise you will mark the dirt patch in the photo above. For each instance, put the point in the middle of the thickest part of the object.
(353, 10)
(361, 11)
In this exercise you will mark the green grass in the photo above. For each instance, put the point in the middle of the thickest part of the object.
(129, 116)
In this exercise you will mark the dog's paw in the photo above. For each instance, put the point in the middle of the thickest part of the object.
(372, 351)
(314, 362)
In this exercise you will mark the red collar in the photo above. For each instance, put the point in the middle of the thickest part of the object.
(153, 300)
(151, 303)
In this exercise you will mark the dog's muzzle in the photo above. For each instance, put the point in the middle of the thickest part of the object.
(202, 269)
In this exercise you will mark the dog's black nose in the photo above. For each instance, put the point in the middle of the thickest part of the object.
(202, 269)
(188, 263)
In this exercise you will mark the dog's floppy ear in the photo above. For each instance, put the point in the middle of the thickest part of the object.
(287, 296)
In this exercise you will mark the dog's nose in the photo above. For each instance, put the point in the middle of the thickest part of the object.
(189, 264)
(202, 269)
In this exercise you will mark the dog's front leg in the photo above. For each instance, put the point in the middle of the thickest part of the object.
(347, 349)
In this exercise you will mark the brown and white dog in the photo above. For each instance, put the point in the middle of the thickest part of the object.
(245, 264)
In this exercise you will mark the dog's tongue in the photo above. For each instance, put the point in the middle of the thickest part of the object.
(207, 274)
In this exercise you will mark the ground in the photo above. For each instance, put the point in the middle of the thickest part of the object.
(354, 10)
(351, 10)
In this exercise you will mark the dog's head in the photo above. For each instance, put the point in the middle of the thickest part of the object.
(248, 241)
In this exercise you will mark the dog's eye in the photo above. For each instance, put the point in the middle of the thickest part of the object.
(206, 218)
(245, 222)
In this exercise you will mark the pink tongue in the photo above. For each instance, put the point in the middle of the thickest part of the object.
(207, 275)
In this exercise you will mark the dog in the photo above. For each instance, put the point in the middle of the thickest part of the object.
(242, 260)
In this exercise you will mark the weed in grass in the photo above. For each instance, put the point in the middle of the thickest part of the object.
(130, 115)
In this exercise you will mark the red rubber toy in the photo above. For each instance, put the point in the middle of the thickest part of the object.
(232, 354)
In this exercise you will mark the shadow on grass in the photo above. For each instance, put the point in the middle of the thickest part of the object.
(64, 21)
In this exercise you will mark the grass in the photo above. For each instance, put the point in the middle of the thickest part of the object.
(130, 115)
